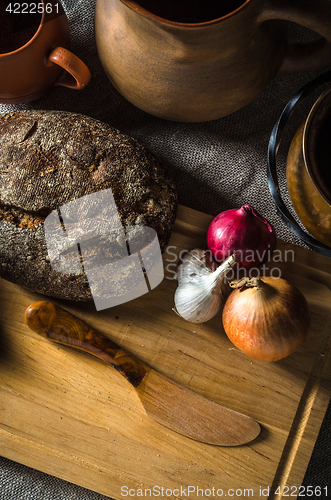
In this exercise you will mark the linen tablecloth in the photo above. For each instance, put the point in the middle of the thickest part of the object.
(216, 165)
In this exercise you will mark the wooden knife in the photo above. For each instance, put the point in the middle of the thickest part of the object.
(163, 400)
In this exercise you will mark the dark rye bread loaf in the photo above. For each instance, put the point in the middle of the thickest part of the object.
(49, 158)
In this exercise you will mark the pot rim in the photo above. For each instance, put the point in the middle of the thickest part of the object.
(134, 5)
(44, 18)
(31, 40)
(309, 141)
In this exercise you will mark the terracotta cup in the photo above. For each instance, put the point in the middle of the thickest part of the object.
(308, 170)
(194, 61)
(34, 55)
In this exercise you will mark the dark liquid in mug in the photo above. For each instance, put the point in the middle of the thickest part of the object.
(323, 149)
(16, 28)
(190, 11)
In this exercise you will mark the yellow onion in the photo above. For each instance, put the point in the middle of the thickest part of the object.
(266, 318)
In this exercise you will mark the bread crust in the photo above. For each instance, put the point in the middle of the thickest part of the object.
(50, 158)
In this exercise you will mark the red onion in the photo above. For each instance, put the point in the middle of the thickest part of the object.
(242, 231)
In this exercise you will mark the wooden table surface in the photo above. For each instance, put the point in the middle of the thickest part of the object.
(68, 414)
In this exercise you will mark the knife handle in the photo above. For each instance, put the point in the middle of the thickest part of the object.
(54, 323)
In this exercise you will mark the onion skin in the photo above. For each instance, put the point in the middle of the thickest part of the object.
(267, 322)
(244, 231)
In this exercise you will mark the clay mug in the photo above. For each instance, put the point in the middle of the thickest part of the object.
(34, 55)
(194, 61)
(308, 170)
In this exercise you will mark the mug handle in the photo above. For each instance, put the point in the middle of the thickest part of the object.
(77, 74)
(312, 14)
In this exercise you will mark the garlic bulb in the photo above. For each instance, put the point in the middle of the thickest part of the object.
(199, 296)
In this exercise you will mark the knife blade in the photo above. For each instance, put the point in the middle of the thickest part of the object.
(165, 401)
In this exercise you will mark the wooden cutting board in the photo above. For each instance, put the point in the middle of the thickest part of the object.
(72, 416)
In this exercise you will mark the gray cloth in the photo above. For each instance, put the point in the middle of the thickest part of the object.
(216, 165)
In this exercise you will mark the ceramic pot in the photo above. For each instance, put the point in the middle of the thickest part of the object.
(34, 52)
(197, 61)
(308, 170)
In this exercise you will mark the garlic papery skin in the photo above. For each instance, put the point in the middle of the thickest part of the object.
(199, 296)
